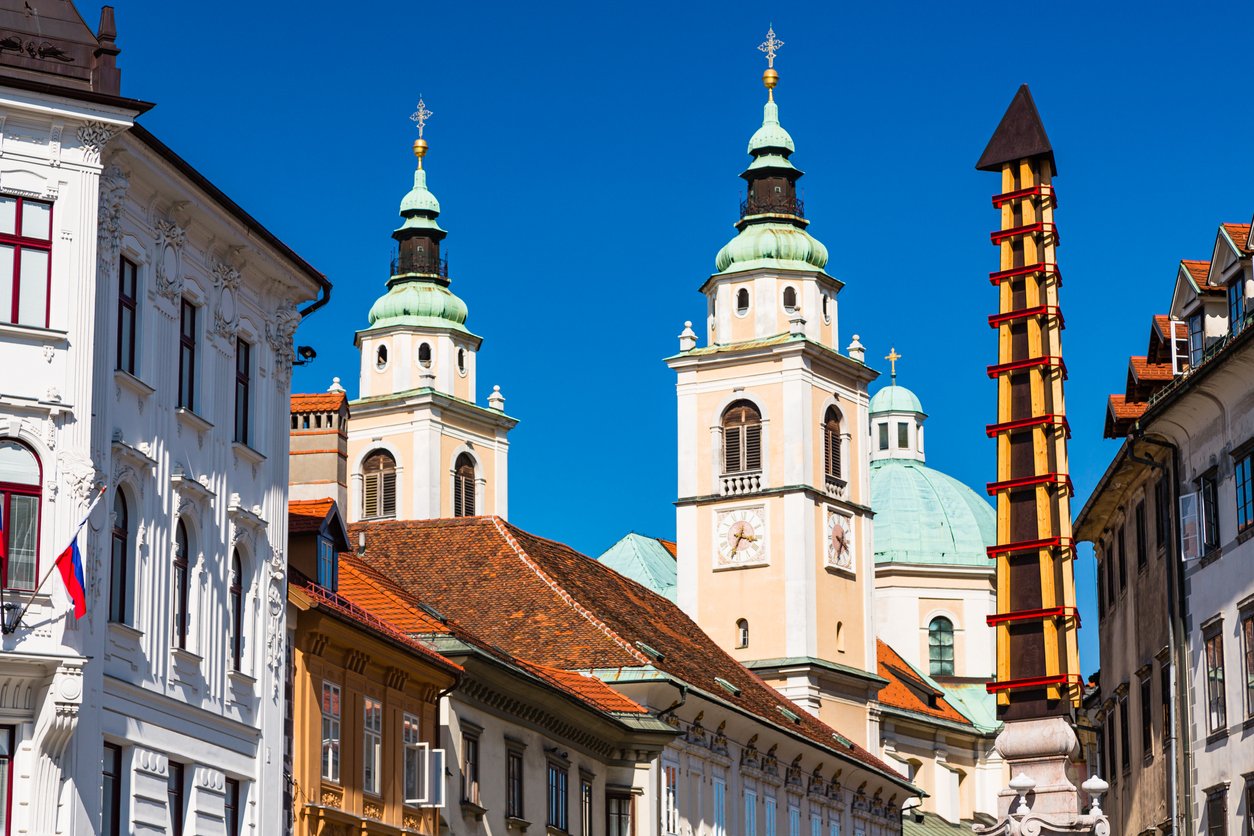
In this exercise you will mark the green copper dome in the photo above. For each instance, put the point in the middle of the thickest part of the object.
(422, 304)
(774, 245)
(924, 516)
(771, 134)
(420, 198)
(895, 398)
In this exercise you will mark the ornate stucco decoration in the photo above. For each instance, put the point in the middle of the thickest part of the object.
(226, 282)
(169, 240)
(245, 522)
(54, 727)
(280, 329)
(276, 602)
(94, 136)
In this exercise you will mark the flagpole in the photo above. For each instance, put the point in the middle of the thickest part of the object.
(52, 568)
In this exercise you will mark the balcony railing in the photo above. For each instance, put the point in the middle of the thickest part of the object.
(738, 484)
(420, 263)
(836, 488)
(773, 205)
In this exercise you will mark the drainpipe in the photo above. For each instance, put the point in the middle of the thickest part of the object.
(323, 297)
(1179, 754)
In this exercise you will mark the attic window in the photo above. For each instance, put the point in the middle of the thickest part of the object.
(791, 715)
(652, 652)
(433, 612)
(727, 686)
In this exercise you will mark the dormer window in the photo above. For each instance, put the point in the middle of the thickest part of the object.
(742, 302)
(1236, 304)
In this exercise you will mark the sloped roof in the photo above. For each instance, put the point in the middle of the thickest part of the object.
(1239, 234)
(1019, 135)
(307, 515)
(975, 703)
(318, 401)
(648, 561)
(905, 684)
(546, 602)
(373, 592)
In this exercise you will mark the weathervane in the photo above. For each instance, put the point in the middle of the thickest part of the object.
(770, 46)
(420, 117)
(892, 357)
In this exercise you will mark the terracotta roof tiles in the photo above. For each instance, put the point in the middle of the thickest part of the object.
(318, 401)
(1124, 411)
(1145, 372)
(906, 688)
(305, 516)
(544, 601)
(1240, 235)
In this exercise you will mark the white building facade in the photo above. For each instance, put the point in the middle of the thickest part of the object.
(145, 333)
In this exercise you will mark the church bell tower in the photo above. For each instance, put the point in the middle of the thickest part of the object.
(419, 444)
(773, 524)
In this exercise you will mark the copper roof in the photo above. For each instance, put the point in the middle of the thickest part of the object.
(544, 601)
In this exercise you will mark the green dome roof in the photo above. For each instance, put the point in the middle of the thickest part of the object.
(775, 245)
(924, 516)
(422, 304)
(420, 198)
(771, 134)
(895, 398)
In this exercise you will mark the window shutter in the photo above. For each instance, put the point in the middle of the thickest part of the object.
(753, 447)
(468, 493)
(731, 450)
(370, 495)
(388, 494)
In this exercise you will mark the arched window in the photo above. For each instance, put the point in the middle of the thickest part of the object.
(381, 358)
(235, 614)
(790, 299)
(940, 646)
(181, 587)
(831, 444)
(19, 515)
(840, 637)
(464, 486)
(461, 360)
(742, 633)
(120, 562)
(742, 438)
(742, 301)
(378, 489)
(424, 355)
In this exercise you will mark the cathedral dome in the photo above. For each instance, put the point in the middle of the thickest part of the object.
(924, 516)
(419, 304)
(895, 398)
(774, 245)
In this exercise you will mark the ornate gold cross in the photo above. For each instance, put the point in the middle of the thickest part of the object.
(892, 357)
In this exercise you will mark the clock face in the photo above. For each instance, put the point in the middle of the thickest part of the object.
(839, 540)
(740, 536)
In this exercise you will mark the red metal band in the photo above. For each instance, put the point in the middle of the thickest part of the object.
(1041, 190)
(1033, 682)
(1039, 310)
(1033, 615)
(1058, 542)
(1024, 423)
(1031, 481)
(1018, 365)
(1046, 267)
(1030, 229)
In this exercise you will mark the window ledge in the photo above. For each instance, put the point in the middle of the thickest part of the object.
(126, 631)
(1210, 557)
(746, 564)
(34, 334)
(550, 830)
(1217, 735)
(131, 383)
(470, 808)
(191, 419)
(1245, 535)
(515, 823)
(247, 453)
(241, 681)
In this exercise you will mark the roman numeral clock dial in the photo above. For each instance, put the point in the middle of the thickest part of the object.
(741, 537)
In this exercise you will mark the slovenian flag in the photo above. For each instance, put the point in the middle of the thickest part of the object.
(70, 565)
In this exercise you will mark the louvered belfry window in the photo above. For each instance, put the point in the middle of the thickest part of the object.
(831, 444)
(464, 487)
(742, 438)
(378, 486)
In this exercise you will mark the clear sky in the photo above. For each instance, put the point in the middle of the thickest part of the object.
(586, 158)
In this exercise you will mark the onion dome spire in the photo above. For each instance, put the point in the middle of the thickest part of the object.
(418, 293)
(772, 221)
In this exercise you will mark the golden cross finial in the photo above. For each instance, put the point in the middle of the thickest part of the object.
(892, 357)
(770, 46)
(421, 115)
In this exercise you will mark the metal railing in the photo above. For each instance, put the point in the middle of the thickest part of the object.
(420, 263)
(773, 205)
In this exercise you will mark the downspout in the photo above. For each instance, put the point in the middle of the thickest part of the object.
(323, 298)
(1179, 755)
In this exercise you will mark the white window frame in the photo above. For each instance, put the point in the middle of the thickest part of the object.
(331, 731)
(670, 797)
(769, 808)
(371, 745)
(415, 758)
(751, 812)
(720, 807)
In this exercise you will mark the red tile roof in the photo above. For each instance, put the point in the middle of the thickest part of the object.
(1146, 372)
(307, 515)
(904, 687)
(671, 548)
(1163, 323)
(544, 601)
(1240, 235)
(318, 401)
(1197, 269)
(372, 591)
(1124, 411)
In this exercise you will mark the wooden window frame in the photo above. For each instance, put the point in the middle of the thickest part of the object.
(20, 242)
(176, 797)
(1208, 505)
(557, 785)
(515, 782)
(328, 564)
(119, 561)
(832, 464)
(934, 661)
(382, 481)
(110, 791)
(1146, 696)
(243, 391)
(7, 491)
(1236, 303)
(1243, 478)
(464, 486)
(128, 312)
(1125, 733)
(332, 712)
(181, 586)
(371, 745)
(235, 611)
(1247, 653)
(470, 767)
(1216, 680)
(1216, 812)
(1138, 525)
(231, 806)
(614, 817)
(742, 439)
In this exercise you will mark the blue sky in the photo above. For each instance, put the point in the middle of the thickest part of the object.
(586, 159)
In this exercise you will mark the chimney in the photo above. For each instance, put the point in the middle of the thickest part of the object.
(318, 455)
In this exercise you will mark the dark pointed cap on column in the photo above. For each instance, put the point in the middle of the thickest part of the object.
(1020, 135)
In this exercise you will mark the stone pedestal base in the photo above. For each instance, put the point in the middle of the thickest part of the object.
(1042, 799)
